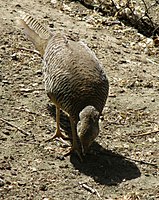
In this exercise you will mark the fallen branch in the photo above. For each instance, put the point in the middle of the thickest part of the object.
(18, 128)
(143, 134)
(136, 15)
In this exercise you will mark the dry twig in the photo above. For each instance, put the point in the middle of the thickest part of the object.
(90, 189)
(29, 90)
(143, 134)
(29, 50)
(143, 162)
(129, 158)
(30, 112)
(18, 128)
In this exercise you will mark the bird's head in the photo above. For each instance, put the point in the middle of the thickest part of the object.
(88, 127)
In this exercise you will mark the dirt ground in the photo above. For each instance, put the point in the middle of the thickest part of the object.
(123, 162)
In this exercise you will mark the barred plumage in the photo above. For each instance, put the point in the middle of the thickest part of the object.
(74, 80)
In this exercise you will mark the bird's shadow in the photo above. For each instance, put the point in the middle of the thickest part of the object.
(104, 166)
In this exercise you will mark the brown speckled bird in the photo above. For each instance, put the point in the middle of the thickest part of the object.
(74, 81)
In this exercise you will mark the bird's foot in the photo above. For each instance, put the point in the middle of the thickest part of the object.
(59, 135)
(76, 151)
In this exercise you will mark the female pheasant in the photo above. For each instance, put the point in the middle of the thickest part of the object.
(74, 81)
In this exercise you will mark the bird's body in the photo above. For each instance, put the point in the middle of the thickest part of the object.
(74, 80)
(69, 82)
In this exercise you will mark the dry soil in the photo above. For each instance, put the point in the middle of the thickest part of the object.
(123, 162)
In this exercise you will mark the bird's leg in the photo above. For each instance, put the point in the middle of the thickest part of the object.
(76, 146)
(57, 133)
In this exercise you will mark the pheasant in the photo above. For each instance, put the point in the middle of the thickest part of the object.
(74, 79)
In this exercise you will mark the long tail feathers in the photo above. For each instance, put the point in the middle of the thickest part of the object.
(34, 31)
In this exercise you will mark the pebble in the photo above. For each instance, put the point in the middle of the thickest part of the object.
(21, 183)
(38, 72)
(6, 132)
(61, 157)
(14, 57)
(2, 182)
(14, 173)
(43, 187)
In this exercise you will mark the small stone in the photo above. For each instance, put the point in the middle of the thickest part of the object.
(51, 25)
(38, 72)
(21, 183)
(147, 174)
(33, 169)
(101, 118)
(14, 57)
(60, 157)
(25, 95)
(43, 187)
(53, 1)
(18, 6)
(14, 173)
(11, 157)
(2, 182)
(121, 90)
(6, 132)
(5, 81)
